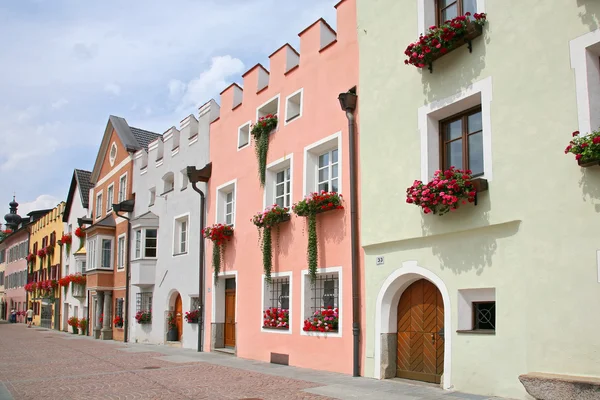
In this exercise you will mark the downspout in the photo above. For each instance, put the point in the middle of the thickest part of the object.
(59, 275)
(127, 279)
(348, 103)
(201, 272)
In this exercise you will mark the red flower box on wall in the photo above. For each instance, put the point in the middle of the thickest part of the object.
(441, 40)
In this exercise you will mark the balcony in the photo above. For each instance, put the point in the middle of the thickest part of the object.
(143, 272)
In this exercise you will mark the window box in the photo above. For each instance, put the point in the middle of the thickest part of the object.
(191, 317)
(446, 191)
(589, 163)
(276, 318)
(586, 148)
(441, 40)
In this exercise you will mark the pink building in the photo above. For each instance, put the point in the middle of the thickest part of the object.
(308, 151)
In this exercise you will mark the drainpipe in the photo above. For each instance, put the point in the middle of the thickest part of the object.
(200, 175)
(348, 104)
(126, 206)
(59, 275)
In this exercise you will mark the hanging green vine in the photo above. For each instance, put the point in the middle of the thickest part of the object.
(219, 234)
(265, 220)
(260, 132)
(309, 207)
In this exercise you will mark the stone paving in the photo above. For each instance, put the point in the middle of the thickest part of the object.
(42, 364)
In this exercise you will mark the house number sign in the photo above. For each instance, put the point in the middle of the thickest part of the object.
(379, 260)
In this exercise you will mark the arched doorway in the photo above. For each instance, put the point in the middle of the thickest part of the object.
(420, 350)
(179, 316)
(386, 320)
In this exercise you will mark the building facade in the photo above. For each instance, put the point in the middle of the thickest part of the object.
(75, 299)
(2, 271)
(165, 238)
(106, 237)
(44, 269)
(493, 288)
(308, 151)
(15, 247)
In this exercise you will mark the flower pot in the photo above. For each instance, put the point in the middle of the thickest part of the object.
(277, 328)
(75, 331)
(588, 163)
(480, 184)
(172, 335)
(192, 321)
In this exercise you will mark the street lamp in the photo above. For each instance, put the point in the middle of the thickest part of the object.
(126, 206)
(200, 175)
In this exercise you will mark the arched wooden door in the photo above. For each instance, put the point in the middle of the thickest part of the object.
(178, 316)
(420, 354)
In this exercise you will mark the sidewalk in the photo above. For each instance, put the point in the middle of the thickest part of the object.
(336, 386)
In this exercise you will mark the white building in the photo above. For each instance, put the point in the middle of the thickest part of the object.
(74, 299)
(165, 225)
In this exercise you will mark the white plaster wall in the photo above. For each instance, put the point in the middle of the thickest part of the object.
(77, 211)
(173, 273)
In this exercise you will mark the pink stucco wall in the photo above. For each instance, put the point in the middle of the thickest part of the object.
(322, 74)
(16, 295)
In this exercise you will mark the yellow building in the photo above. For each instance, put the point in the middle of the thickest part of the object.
(44, 270)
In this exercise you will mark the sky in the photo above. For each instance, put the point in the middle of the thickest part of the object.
(66, 65)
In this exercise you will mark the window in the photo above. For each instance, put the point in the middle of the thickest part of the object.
(113, 154)
(585, 62)
(323, 165)
(152, 196)
(461, 137)
(106, 261)
(477, 310)
(123, 188)
(279, 292)
(168, 182)
(467, 142)
(324, 293)
(83, 267)
(328, 171)
(109, 198)
(226, 203)
(119, 311)
(184, 179)
(448, 9)
(484, 316)
(282, 188)
(270, 107)
(99, 205)
(143, 302)
(121, 253)
(229, 204)
(138, 244)
(181, 235)
(91, 252)
(244, 135)
(293, 106)
(150, 243)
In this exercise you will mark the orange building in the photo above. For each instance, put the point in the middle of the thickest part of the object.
(107, 234)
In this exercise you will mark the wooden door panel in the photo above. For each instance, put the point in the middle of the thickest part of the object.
(420, 353)
(179, 316)
(230, 318)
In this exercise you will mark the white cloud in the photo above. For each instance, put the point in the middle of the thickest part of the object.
(112, 88)
(210, 81)
(42, 202)
(60, 103)
(176, 89)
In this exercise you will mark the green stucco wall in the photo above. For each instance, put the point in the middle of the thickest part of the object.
(534, 235)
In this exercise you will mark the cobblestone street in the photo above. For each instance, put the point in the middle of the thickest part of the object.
(43, 364)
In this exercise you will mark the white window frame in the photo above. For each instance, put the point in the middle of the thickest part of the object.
(220, 199)
(110, 196)
(311, 161)
(260, 113)
(184, 179)
(426, 14)
(101, 252)
(123, 187)
(266, 299)
(273, 168)
(121, 251)
(585, 61)
(466, 298)
(329, 168)
(99, 203)
(165, 180)
(141, 249)
(287, 106)
(245, 125)
(430, 115)
(152, 196)
(305, 295)
(177, 221)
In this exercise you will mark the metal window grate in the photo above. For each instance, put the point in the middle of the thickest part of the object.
(119, 310)
(280, 293)
(325, 292)
(143, 301)
(484, 315)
